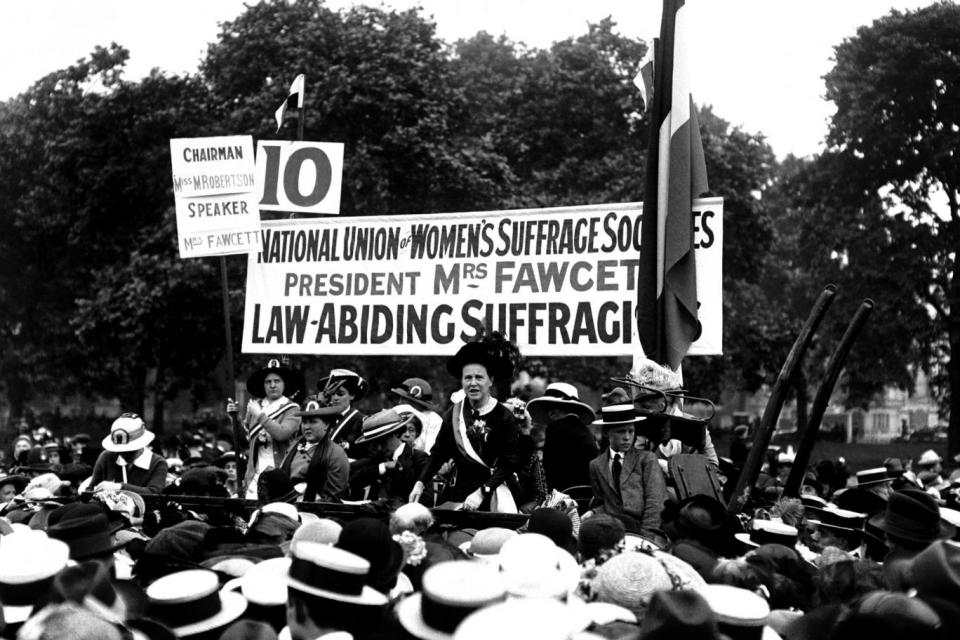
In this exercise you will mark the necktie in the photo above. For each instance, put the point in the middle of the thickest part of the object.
(615, 470)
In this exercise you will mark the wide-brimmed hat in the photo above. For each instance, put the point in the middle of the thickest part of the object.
(190, 602)
(847, 523)
(929, 457)
(127, 433)
(370, 538)
(486, 543)
(554, 524)
(292, 380)
(382, 424)
(497, 366)
(28, 562)
(769, 532)
(351, 381)
(87, 535)
(19, 482)
(533, 566)
(563, 396)
(679, 614)
(618, 415)
(875, 475)
(328, 572)
(653, 376)
(451, 592)
(313, 408)
(114, 599)
(632, 577)
(704, 518)
(540, 618)
(913, 515)
(736, 609)
(416, 391)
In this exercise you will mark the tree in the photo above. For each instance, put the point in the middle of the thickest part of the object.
(89, 251)
(897, 131)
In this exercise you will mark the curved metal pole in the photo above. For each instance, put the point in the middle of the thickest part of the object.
(822, 399)
(751, 468)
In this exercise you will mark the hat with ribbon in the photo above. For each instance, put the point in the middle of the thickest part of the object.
(769, 532)
(313, 408)
(334, 574)
(127, 433)
(631, 578)
(497, 366)
(416, 391)
(740, 613)
(382, 424)
(191, 602)
(89, 583)
(292, 380)
(913, 515)
(29, 560)
(875, 475)
(451, 591)
(849, 523)
(562, 396)
(87, 535)
(486, 543)
(18, 482)
(351, 381)
(618, 415)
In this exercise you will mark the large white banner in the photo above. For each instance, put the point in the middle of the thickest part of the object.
(216, 195)
(558, 282)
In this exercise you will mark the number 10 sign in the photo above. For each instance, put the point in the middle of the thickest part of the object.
(303, 177)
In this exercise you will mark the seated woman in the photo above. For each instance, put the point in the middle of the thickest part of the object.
(127, 463)
(317, 466)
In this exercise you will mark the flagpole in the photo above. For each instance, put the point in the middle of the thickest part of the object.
(300, 120)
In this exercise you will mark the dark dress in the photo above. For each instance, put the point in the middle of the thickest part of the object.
(568, 448)
(498, 449)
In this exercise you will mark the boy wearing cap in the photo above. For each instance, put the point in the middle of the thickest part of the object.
(627, 481)
(126, 462)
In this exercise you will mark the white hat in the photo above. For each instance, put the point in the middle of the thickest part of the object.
(736, 607)
(332, 573)
(769, 532)
(127, 433)
(265, 583)
(560, 395)
(451, 591)
(522, 619)
(190, 603)
(28, 560)
(929, 457)
(533, 566)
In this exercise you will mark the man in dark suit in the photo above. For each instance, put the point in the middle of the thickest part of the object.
(568, 445)
(627, 481)
(393, 466)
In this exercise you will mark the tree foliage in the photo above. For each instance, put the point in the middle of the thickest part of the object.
(896, 133)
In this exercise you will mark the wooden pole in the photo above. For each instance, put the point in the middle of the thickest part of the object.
(822, 399)
(768, 422)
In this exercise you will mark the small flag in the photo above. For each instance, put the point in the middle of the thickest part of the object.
(644, 80)
(667, 320)
(294, 100)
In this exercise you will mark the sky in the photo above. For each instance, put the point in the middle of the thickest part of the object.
(759, 63)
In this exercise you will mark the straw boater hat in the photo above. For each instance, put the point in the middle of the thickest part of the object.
(416, 391)
(29, 560)
(869, 477)
(127, 433)
(560, 395)
(382, 424)
(769, 532)
(539, 618)
(328, 572)
(498, 367)
(739, 611)
(292, 382)
(451, 592)
(618, 415)
(190, 602)
(533, 566)
(350, 380)
(486, 544)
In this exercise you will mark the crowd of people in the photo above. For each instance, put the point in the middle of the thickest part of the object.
(622, 528)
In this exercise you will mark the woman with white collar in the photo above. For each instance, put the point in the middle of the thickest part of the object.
(271, 421)
(126, 462)
(479, 434)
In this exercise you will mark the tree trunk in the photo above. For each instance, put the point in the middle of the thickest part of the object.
(803, 400)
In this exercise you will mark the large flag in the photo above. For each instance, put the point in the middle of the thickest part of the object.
(294, 100)
(676, 174)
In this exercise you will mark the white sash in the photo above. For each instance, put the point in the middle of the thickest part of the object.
(343, 423)
(461, 428)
